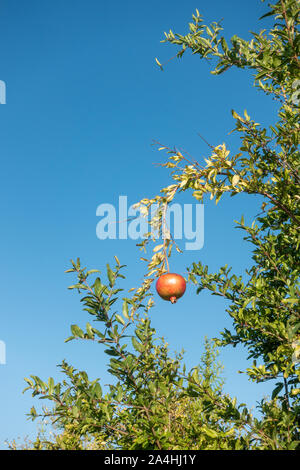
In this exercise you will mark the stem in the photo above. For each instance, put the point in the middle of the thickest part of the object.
(286, 395)
(164, 231)
(281, 206)
(290, 33)
(152, 429)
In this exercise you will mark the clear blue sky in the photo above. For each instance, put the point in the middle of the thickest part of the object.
(84, 101)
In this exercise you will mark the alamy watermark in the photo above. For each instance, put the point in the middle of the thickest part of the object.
(2, 353)
(2, 92)
(184, 222)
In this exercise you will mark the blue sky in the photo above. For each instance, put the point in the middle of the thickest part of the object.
(85, 100)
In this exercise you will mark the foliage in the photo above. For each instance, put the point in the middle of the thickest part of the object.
(155, 403)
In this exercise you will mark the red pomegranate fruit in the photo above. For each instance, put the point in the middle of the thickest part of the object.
(170, 286)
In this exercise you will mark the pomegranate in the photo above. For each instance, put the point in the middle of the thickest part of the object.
(170, 286)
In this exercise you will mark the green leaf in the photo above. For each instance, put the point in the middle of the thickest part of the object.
(111, 352)
(120, 319)
(89, 331)
(235, 114)
(33, 412)
(293, 445)
(110, 275)
(78, 286)
(210, 432)
(50, 385)
(70, 338)
(91, 271)
(97, 287)
(277, 390)
(152, 388)
(137, 346)
(269, 13)
(290, 301)
(75, 411)
(224, 45)
(119, 394)
(76, 331)
(125, 310)
(98, 333)
(235, 180)
(246, 115)
(158, 63)
(28, 381)
(97, 390)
